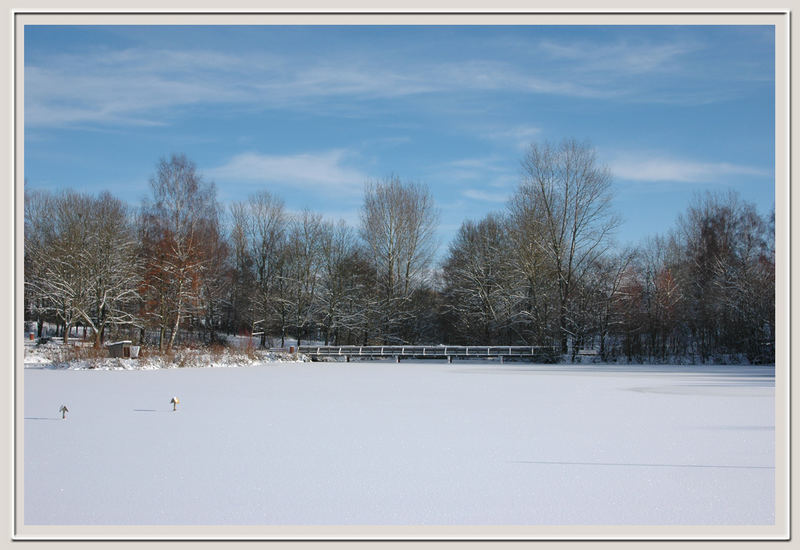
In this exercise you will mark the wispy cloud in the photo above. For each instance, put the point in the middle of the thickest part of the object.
(126, 87)
(324, 172)
(478, 170)
(488, 163)
(487, 196)
(147, 86)
(647, 167)
(141, 86)
(622, 55)
(521, 136)
(677, 69)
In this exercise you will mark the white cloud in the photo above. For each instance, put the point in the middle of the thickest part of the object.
(73, 90)
(147, 85)
(480, 195)
(470, 171)
(646, 167)
(142, 86)
(621, 56)
(521, 136)
(489, 163)
(517, 132)
(324, 172)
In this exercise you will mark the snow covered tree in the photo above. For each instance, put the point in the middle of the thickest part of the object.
(81, 252)
(565, 202)
(661, 325)
(603, 294)
(534, 282)
(706, 291)
(478, 282)
(110, 255)
(339, 284)
(724, 264)
(66, 278)
(398, 223)
(259, 236)
(182, 212)
(357, 298)
(215, 291)
(304, 263)
(38, 232)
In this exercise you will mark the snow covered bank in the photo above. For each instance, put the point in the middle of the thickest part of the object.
(417, 443)
(72, 357)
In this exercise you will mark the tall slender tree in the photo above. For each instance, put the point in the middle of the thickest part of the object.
(398, 223)
(260, 229)
(565, 202)
(304, 263)
(183, 210)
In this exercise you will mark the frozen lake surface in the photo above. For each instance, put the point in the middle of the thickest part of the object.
(415, 443)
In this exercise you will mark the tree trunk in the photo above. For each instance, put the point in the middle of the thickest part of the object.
(174, 330)
(178, 313)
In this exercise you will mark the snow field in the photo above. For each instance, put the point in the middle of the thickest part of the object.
(419, 443)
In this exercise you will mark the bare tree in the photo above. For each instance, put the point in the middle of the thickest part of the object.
(217, 280)
(724, 263)
(259, 229)
(533, 282)
(358, 297)
(243, 291)
(706, 290)
(661, 299)
(81, 260)
(338, 248)
(304, 263)
(55, 235)
(479, 283)
(565, 200)
(38, 231)
(398, 223)
(182, 209)
(110, 255)
(604, 290)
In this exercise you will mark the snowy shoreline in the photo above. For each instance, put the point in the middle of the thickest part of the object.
(56, 357)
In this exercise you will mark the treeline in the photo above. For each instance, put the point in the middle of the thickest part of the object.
(542, 272)
(545, 271)
(179, 267)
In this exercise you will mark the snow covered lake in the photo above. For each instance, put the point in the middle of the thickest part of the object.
(415, 443)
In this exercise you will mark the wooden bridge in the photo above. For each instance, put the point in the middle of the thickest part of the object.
(533, 353)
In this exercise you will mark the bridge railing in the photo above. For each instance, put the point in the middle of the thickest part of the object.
(448, 352)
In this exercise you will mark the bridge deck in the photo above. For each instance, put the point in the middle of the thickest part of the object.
(427, 352)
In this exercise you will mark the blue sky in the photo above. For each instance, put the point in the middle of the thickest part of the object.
(311, 113)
